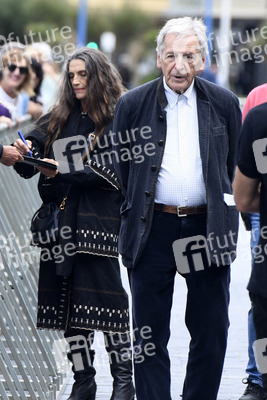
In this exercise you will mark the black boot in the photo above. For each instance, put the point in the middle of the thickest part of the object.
(84, 387)
(118, 347)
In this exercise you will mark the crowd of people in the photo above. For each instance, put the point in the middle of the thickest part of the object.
(158, 214)
(28, 82)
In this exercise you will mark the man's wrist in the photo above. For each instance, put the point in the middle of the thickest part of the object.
(1, 150)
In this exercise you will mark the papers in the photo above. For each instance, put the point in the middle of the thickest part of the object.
(229, 199)
(37, 162)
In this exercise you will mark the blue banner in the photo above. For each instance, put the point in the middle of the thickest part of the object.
(208, 20)
(82, 23)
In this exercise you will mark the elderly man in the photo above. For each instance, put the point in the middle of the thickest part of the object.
(9, 155)
(178, 211)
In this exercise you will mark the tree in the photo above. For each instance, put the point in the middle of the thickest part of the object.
(18, 18)
(9, 22)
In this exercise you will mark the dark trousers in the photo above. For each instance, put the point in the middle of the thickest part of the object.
(152, 283)
(259, 307)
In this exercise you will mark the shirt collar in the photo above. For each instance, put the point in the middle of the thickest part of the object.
(173, 97)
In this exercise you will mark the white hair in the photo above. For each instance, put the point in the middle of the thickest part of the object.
(184, 26)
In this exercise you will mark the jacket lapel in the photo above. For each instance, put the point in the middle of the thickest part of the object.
(203, 109)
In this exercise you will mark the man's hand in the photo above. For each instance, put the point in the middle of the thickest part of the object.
(10, 156)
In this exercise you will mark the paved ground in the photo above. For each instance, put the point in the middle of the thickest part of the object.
(236, 357)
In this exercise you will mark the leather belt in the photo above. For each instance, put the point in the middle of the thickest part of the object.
(181, 211)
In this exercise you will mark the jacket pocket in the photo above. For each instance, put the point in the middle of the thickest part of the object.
(219, 130)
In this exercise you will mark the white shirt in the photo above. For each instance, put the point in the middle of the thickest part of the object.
(14, 105)
(180, 181)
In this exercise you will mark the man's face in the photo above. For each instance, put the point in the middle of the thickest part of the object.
(180, 61)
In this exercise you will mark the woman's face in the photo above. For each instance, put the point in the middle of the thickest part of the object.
(14, 75)
(78, 78)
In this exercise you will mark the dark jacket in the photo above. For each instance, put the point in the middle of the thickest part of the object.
(93, 195)
(140, 124)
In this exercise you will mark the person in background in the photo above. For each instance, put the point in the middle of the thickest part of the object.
(15, 85)
(254, 389)
(5, 116)
(43, 54)
(83, 291)
(209, 74)
(251, 197)
(38, 76)
(187, 129)
(124, 68)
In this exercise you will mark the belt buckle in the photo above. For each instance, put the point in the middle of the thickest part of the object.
(178, 212)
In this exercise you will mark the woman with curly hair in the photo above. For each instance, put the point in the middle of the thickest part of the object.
(80, 291)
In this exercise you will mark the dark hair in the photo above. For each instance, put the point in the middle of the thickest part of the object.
(38, 70)
(104, 88)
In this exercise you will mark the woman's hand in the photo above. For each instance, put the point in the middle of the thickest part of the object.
(6, 120)
(21, 147)
(49, 173)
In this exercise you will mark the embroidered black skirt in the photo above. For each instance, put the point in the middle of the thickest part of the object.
(91, 298)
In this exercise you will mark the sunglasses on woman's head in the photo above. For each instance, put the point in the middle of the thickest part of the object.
(13, 67)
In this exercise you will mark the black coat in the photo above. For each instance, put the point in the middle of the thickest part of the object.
(81, 288)
(140, 123)
(93, 195)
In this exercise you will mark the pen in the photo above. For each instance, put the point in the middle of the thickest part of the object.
(24, 141)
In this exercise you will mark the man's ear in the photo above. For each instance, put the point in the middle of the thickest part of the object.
(158, 61)
(202, 65)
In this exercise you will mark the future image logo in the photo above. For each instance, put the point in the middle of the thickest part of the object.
(191, 254)
(79, 352)
(69, 153)
(260, 154)
(260, 352)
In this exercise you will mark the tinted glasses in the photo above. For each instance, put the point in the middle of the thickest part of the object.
(13, 67)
